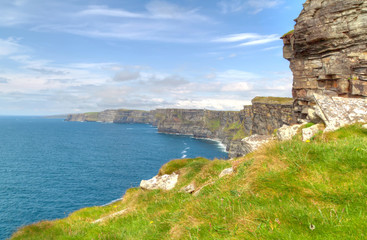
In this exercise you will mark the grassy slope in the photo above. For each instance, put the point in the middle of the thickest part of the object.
(275, 193)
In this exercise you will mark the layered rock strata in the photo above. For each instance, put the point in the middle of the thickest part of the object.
(328, 51)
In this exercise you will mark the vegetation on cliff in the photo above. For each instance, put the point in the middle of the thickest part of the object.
(288, 190)
(272, 100)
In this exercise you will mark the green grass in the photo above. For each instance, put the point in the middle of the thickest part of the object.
(275, 193)
(213, 125)
(91, 116)
(236, 130)
(273, 100)
(290, 32)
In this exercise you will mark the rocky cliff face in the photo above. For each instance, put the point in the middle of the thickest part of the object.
(222, 125)
(270, 113)
(328, 51)
(115, 116)
(230, 127)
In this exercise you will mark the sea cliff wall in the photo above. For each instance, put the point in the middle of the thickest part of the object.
(262, 117)
(327, 51)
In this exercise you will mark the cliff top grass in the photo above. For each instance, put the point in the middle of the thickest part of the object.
(91, 116)
(273, 100)
(286, 190)
(288, 33)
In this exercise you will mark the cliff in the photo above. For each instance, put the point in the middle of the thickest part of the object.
(327, 51)
(114, 116)
(270, 113)
(262, 117)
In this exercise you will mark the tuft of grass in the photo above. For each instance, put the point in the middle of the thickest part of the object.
(288, 190)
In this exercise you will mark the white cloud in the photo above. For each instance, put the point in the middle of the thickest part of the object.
(238, 37)
(105, 11)
(266, 39)
(126, 75)
(237, 87)
(214, 104)
(254, 6)
(154, 10)
(249, 38)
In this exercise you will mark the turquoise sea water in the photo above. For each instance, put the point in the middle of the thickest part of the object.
(49, 168)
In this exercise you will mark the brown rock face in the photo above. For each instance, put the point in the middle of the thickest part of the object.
(328, 51)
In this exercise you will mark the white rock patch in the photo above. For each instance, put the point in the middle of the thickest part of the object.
(165, 182)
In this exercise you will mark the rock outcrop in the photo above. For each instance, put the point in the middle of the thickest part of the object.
(287, 132)
(328, 51)
(337, 112)
(164, 182)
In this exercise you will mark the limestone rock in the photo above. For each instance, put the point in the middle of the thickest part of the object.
(308, 133)
(287, 132)
(189, 188)
(165, 182)
(337, 112)
(254, 142)
(227, 171)
(312, 116)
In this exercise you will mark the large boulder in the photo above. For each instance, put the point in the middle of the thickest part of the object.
(337, 112)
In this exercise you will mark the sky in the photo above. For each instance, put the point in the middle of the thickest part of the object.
(75, 56)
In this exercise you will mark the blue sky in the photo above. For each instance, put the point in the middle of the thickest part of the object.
(89, 55)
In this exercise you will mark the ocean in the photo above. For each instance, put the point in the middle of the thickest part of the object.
(50, 168)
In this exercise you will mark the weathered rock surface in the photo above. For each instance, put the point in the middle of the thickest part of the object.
(287, 132)
(254, 142)
(271, 113)
(308, 133)
(337, 112)
(164, 182)
(222, 125)
(225, 172)
(327, 51)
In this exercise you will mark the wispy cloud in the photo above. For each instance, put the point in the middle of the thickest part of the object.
(159, 21)
(9, 46)
(96, 10)
(126, 75)
(248, 39)
(254, 6)
(154, 10)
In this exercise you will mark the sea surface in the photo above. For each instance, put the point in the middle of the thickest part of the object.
(50, 168)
